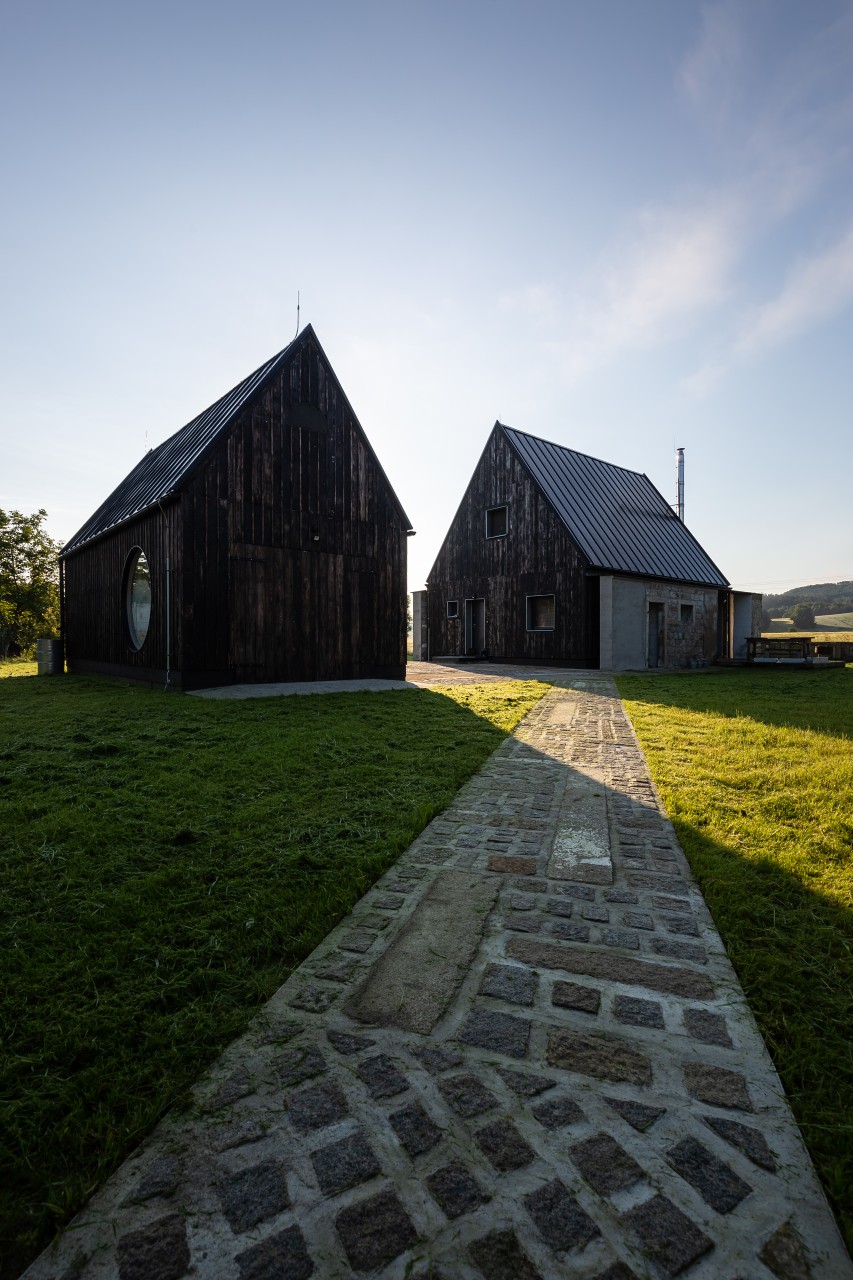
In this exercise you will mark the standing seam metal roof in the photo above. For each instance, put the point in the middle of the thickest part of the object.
(163, 469)
(617, 517)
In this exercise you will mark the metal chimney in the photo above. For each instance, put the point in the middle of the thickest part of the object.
(679, 490)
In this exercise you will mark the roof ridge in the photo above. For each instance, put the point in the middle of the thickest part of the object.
(578, 453)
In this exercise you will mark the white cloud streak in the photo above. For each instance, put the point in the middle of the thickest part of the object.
(708, 74)
(791, 144)
(782, 138)
(816, 290)
(677, 267)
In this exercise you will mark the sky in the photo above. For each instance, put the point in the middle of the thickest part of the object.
(621, 226)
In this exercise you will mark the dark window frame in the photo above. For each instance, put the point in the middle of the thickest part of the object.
(491, 511)
(687, 614)
(540, 595)
(454, 606)
(134, 634)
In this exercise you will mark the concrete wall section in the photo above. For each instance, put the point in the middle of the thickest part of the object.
(745, 620)
(689, 623)
(629, 623)
(419, 626)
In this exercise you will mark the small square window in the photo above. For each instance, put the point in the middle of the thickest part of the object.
(540, 613)
(453, 608)
(686, 614)
(496, 522)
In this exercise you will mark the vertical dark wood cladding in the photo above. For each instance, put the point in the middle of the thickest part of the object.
(96, 634)
(292, 551)
(537, 557)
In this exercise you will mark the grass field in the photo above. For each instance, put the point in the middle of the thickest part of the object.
(829, 628)
(165, 862)
(17, 667)
(835, 622)
(815, 634)
(756, 770)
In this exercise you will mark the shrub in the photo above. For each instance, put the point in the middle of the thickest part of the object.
(802, 616)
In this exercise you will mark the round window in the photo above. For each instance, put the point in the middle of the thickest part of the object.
(138, 579)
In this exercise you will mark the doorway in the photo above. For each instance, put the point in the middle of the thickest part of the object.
(655, 646)
(475, 626)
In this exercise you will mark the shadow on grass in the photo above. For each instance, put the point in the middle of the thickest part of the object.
(165, 863)
(792, 949)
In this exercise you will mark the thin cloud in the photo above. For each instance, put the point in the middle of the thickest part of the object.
(782, 142)
(708, 74)
(678, 267)
(816, 290)
(787, 143)
(539, 302)
(701, 383)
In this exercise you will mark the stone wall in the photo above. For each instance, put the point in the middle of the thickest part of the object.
(687, 641)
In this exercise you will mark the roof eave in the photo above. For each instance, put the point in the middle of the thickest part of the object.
(71, 547)
(597, 569)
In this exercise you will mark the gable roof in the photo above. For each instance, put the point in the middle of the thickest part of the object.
(163, 470)
(617, 517)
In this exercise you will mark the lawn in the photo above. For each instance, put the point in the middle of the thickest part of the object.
(17, 667)
(165, 862)
(815, 634)
(756, 770)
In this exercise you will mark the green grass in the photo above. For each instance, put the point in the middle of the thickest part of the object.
(835, 621)
(165, 862)
(815, 634)
(17, 667)
(756, 770)
(840, 628)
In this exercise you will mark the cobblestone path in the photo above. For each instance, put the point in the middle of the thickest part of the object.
(523, 1055)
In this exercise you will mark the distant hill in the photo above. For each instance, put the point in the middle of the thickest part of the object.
(823, 597)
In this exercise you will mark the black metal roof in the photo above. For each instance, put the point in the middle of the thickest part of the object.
(617, 517)
(163, 470)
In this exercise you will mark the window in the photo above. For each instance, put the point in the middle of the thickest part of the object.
(137, 595)
(540, 613)
(496, 522)
(686, 614)
(453, 608)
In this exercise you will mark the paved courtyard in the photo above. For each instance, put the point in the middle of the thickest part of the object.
(524, 1054)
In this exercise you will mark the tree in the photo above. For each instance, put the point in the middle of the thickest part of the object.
(29, 581)
(802, 616)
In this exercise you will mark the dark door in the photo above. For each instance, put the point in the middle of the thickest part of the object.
(475, 626)
(655, 658)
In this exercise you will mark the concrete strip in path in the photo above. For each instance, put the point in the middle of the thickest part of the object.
(580, 1092)
(412, 983)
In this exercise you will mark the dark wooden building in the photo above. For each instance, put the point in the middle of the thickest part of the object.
(261, 542)
(557, 557)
